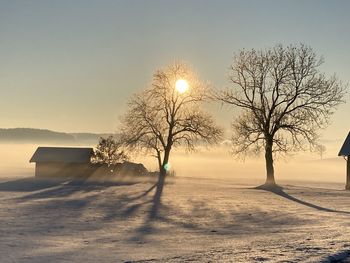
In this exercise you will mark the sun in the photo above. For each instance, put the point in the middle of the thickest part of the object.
(181, 85)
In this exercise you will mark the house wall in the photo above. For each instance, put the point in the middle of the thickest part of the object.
(84, 170)
(347, 187)
(63, 170)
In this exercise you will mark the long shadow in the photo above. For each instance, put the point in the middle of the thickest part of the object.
(144, 193)
(156, 201)
(67, 188)
(33, 184)
(317, 187)
(342, 256)
(147, 227)
(278, 190)
(123, 208)
(221, 224)
(28, 185)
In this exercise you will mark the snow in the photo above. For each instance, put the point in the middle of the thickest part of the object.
(210, 212)
(198, 220)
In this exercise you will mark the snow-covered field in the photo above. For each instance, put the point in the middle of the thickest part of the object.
(210, 212)
(198, 220)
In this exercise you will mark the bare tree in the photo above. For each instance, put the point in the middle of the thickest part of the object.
(110, 151)
(320, 150)
(284, 100)
(168, 114)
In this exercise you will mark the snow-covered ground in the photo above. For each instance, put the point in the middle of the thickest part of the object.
(198, 220)
(210, 212)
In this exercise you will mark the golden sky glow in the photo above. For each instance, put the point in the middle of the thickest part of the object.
(65, 65)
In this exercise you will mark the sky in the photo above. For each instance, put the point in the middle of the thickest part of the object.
(72, 65)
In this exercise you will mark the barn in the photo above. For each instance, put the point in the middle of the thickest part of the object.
(345, 152)
(61, 162)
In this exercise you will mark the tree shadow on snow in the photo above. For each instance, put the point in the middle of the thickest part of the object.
(342, 256)
(67, 188)
(28, 185)
(144, 201)
(126, 205)
(278, 190)
(153, 214)
(197, 215)
(58, 199)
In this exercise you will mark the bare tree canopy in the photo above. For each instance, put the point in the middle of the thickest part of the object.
(320, 149)
(284, 100)
(109, 150)
(168, 114)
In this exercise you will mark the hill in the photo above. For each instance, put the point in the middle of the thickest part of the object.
(30, 135)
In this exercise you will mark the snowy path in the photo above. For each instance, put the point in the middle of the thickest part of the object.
(199, 220)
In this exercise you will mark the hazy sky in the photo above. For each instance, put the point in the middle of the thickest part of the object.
(72, 65)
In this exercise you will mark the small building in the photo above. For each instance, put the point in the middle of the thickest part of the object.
(129, 168)
(61, 162)
(345, 152)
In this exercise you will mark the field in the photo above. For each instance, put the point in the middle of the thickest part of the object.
(211, 211)
(206, 220)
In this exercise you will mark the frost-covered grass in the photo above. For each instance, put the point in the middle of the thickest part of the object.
(198, 220)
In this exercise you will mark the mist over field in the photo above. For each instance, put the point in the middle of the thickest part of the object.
(214, 163)
(210, 211)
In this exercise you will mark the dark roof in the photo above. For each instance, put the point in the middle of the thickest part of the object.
(345, 149)
(62, 154)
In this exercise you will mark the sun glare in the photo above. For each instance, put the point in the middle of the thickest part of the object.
(181, 85)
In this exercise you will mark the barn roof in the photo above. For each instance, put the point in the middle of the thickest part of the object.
(345, 149)
(62, 154)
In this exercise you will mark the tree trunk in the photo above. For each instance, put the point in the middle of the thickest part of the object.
(158, 194)
(157, 197)
(159, 158)
(270, 173)
(163, 169)
(347, 187)
(160, 183)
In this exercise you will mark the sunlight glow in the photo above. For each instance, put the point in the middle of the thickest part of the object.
(181, 85)
(167, 167)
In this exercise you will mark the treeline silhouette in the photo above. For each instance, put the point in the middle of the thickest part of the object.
(31, 135)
